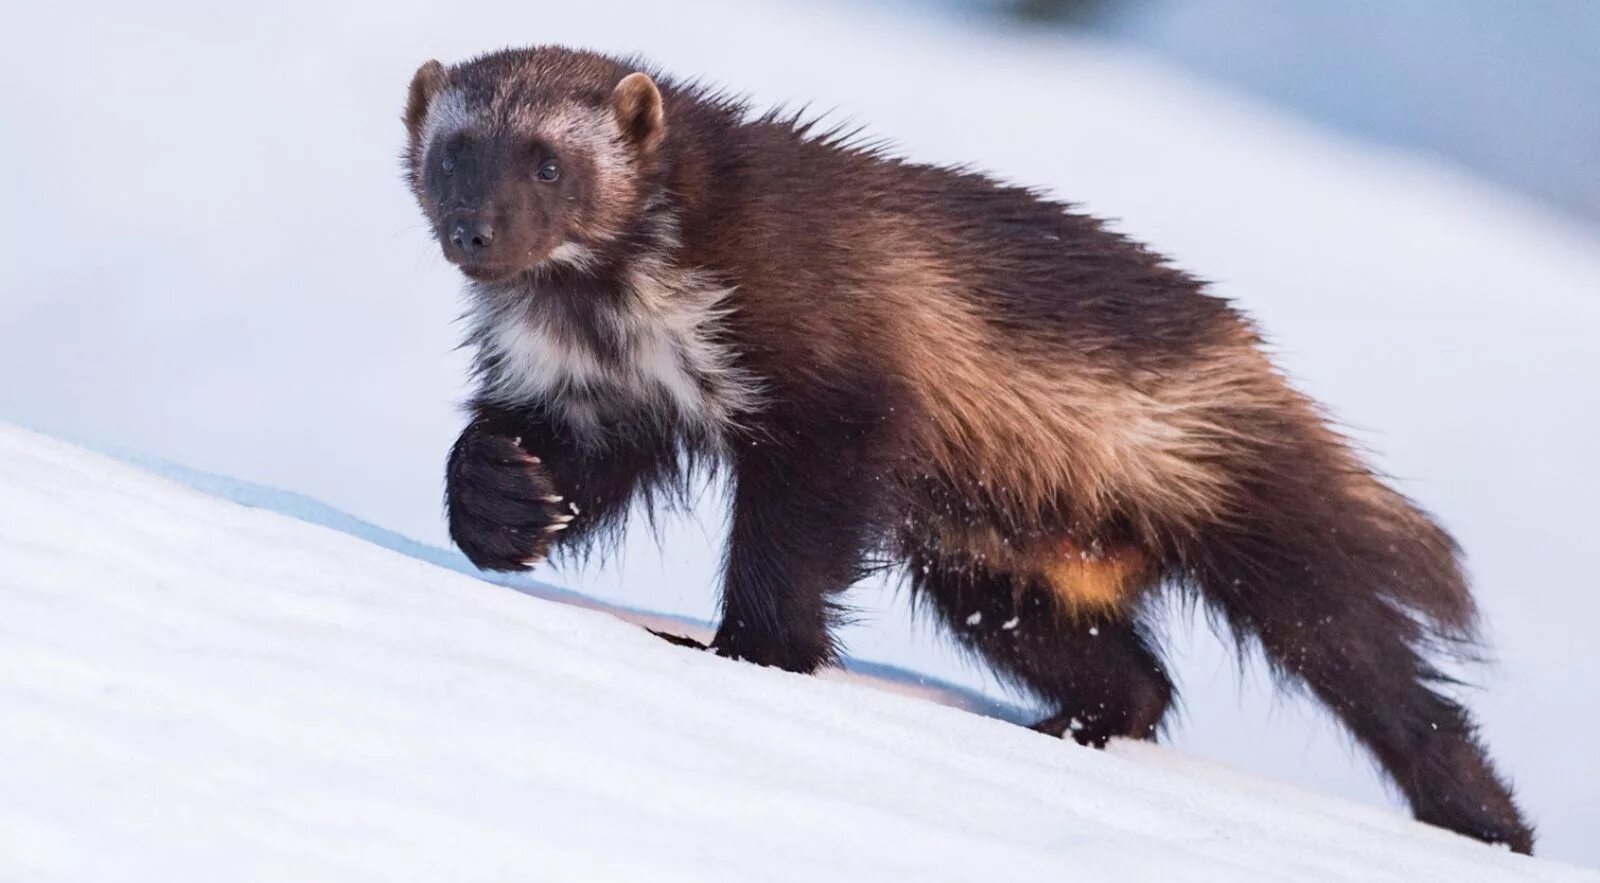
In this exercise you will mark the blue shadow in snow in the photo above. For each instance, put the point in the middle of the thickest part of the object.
(303, 508)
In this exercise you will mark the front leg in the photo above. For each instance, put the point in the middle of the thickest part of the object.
(504, 511)
(803, 516)
(518, 487)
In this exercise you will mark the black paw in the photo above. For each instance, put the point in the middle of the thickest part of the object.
(1135, 714)
(774, 651)
(504, 511)
(680, 640)
(1093, 731)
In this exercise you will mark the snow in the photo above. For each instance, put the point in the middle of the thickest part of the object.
(248, 290)
(195, 690)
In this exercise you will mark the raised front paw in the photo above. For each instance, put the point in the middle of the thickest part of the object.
(504, 511)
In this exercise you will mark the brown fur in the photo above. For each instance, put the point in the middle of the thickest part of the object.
(1041, 420)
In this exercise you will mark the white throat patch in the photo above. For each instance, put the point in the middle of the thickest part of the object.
(662, 362)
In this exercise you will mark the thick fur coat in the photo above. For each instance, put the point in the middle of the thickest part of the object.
(1043, 422)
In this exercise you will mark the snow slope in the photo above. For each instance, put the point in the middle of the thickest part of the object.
(300, 507)
(195, 690)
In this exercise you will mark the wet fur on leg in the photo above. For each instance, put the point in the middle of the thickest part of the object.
(1095, 671)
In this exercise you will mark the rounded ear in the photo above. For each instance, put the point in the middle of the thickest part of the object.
(637, 103)
(425, 84)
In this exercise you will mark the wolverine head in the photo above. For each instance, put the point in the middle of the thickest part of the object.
(526, 157)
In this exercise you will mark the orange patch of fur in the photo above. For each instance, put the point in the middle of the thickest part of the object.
(1086, 580)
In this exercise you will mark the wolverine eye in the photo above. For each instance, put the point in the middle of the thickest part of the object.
(549, 171)
(448, 162)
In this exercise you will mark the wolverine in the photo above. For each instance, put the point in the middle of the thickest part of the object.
(1043, 424)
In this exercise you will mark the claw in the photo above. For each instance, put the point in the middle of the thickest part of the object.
(553, 498)
(556, 527)
(562, 519)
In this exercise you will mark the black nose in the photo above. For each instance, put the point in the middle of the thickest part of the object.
(472, 237)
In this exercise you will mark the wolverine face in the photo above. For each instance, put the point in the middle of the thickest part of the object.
(525, 158)
(502, 204)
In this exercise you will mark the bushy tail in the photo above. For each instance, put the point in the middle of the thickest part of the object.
(1352, 590)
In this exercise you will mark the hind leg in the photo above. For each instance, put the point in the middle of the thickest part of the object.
(1095, 669)
(1359, 657)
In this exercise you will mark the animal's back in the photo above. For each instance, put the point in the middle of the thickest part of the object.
(1056, 368)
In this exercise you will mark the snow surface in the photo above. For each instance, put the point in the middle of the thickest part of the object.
(195, 690)
(211, 260)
